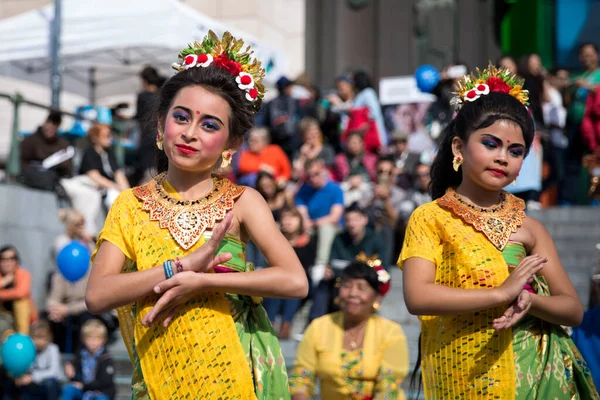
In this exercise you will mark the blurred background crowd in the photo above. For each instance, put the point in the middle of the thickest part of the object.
(341, 162)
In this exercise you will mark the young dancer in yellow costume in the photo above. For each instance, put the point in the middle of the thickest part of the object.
(484, 278)
(189, 309)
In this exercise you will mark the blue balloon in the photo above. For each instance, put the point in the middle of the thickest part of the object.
(427, 78)
(73, 261)
(18, 354)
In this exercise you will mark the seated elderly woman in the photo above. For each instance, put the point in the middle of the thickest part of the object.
(354, 353)
(260, 156)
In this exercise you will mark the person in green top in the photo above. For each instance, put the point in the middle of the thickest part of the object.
(583, 84)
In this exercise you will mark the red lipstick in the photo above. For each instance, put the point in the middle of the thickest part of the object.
(186, 149)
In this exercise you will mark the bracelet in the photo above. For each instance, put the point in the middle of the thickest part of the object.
(168, 267)
(178, 264)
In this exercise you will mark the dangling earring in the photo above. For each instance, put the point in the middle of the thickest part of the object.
(226, 159)
(159, 140)
(376, 306)
(515, 181)
(456, 162)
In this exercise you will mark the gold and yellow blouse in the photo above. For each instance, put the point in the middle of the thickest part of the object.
(200, 354)
(374, 372)
(463, 357)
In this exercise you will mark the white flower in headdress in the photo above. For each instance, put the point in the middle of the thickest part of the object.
(189, 61)
(482, 88)
(245, 81)
(383, 276)
(204, 60)
(252, 94)
(472, 95)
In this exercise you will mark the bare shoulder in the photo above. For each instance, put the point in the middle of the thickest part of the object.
(531, 231)
(250, 199)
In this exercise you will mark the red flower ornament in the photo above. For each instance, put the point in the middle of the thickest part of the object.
(472, 95)
(498, 85)
(252, 94)
(224, 62)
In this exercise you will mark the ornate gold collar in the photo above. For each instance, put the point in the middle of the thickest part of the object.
(497, 223)
(187, 220)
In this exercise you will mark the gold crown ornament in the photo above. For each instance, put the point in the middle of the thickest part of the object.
(228, 54)
(490, 80)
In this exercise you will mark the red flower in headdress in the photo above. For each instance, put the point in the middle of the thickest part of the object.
(498, 85)
(229, 65)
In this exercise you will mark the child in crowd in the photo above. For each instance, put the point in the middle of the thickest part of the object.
(42, 382)
(91, 373)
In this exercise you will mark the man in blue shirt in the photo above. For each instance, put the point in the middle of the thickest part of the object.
(587, 335)
(321, 203)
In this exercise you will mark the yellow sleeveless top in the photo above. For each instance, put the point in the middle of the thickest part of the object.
(199, 356)
(463, 357)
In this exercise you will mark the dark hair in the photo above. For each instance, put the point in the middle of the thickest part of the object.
(55, 117)
(475, 115)
(41, 327)
(582, 45)
(506, 56)
(314, 161)
(217, 81)
(151, 75)
(361, 81)
(555, 70)
(386, 158)
(355, 207)
(9, 247)
(259, 177)
(360, 270)
(293, 211)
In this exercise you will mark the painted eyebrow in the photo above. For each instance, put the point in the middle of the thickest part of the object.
(498, 140)
(187, 110)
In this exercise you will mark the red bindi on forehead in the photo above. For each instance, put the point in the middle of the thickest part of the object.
(197, 112)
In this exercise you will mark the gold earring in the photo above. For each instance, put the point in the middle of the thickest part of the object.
(159, 140)
(456, 162)
(226, 159)
(376, 306)
(336, 301)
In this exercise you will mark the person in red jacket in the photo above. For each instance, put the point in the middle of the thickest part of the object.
(17, 310)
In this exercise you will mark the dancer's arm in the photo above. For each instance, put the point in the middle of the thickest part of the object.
(285, 277)
(108, 288)
(564, 306)
(424, 297)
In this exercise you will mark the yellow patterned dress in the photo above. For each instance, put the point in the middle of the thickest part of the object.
(219, 346)
(374, 372)
(463, 357)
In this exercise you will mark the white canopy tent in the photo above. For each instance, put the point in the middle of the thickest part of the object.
(105, 44)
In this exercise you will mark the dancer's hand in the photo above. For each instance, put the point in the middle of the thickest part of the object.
(519, 277)
(175, 292)
(515, 312)
(204, 258)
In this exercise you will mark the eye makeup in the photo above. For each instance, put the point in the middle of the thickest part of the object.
(492, 142)
(216, 120)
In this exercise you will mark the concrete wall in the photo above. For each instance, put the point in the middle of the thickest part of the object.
(29, 221)
(387, 38)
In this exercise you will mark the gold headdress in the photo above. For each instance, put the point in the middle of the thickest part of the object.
(227, 54)
(491, 79)
(382, 275)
